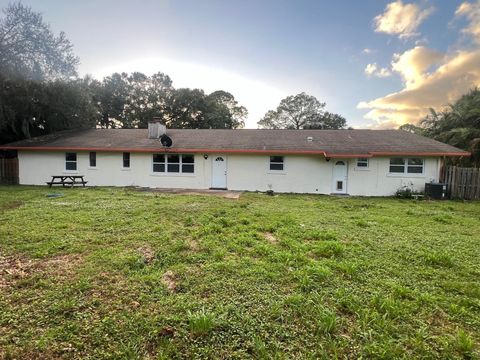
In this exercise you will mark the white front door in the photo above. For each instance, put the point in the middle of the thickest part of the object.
(219, 172)
(340, 172)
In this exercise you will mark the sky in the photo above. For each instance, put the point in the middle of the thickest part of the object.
(378, 63)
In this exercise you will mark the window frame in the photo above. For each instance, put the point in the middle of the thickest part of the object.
(94, 158)
(270, 162)
(129, 161)
(71, 161)
(182, 164)
(406, 165)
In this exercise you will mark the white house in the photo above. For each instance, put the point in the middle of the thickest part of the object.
(355, 162)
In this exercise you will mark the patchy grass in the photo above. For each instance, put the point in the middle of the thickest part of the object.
(115, 273)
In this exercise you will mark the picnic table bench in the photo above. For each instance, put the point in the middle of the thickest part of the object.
(67, 180)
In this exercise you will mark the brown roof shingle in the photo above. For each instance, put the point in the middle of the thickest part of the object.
(327, 142)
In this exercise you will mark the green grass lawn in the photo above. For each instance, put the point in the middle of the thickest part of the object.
(116, 273)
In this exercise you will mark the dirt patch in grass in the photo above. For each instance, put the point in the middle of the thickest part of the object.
(15, 268)
(11, 205)
(169, 280)
(193, 245)
(147, 253)
(270, 238)
(235, 195)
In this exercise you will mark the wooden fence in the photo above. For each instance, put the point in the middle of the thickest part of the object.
(8, 170)
(463, 183)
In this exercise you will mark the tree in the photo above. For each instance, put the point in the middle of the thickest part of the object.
(414, 129)
(301, 111)
(223, 111)
(327, 121)
(31, 108)
(185, 109)
(29, 49)
(131, 100)
(458, 124)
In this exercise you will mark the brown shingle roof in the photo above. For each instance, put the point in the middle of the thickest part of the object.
(327, 142)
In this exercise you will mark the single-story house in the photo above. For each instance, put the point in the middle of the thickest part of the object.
(355, 162)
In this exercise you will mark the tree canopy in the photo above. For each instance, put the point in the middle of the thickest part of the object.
(458, 124)
(301, 111)
(40, 92)
(30, 50)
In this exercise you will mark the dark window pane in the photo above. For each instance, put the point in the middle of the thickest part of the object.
(158, 167)
(415, 169)
(339, 185)
(276, 166)
(173, 159)
(71, 165)
(415, 161)
(362, 162)
(187, 168)
(397, 161)
(158, 158)
(93, 159)
(173, 168)
(126, 160)
(397, 169)
(71, 156)
(188, 159)
(276, 159)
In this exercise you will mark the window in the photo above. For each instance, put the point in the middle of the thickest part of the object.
(188, 163)
(276, 163)
(397, 165)
(406, 166)
(174, 163)
(339, 185)
(93, 159)
(415, 166)
(158, 163)
(126, 160)
(71, 161)
(362, 163)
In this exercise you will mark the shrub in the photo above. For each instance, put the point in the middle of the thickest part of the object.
(406, 192)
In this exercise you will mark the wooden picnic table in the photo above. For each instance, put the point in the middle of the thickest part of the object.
(67, 180)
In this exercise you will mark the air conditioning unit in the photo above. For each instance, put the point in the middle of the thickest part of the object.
(437, 191)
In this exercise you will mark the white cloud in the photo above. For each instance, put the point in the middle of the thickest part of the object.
(455, 75)
(413, 64)
(374, 70)
(401, 19)
(367, 51)
(471, 11)
(255, 95)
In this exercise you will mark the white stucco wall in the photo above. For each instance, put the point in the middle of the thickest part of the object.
(36, 168)
(302, 174)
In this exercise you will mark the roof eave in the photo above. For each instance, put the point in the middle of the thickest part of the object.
(237, 151)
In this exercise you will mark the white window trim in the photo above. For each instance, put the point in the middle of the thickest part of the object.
(277, 172)
(174, 174)
(362, 168)
(405, 172)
